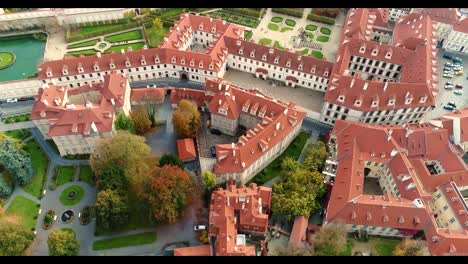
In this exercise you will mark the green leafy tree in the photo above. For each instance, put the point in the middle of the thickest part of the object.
(186, 119)
(63, 243)
(408, 247)
(330, 240)
(171, 159)
(145, 11)
(141, 121)
(113, 178)
(14, 238)
(111, 209)
(16, 162)
(209, 180)
(315, 153)
(130, 14)
(157, 23)
(123, 122)
(5, 187)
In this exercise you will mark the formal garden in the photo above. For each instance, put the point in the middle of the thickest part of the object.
(125, 241)
(6, 59)
(280, 24)
(17, 118)
(249, 18)
(71, 195)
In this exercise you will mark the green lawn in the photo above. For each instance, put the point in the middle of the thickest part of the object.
(25, 210)
(125, 241)
(323, 38)
(65, 175)
(156, 36)
(309, 35)
(265, 41)
(39, 163)
(64, 194)
(168, 12)
(278, 45)
(135, 46)
(284, 29)
(236, 18)
(130, 35)
(349, 249)
(305, 51)
(385, 246)
(86, 175)
(16, 119)
(6, 59)
(273, 169)
(89, 43)
(19, 134)
(311, 27)
(88, 52)
(290, 22)
(277, 19)
(317, 54)
(248, 35)
(273, 27)
(325, 31)
(89, 29)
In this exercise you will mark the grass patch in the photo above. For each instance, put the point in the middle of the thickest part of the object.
(272, 170)
(125, 241)
(264, 41)
(309, 35)
(88, 52)
(26, 210)
(290, 22)
(284, 29)
(64, 195)
(317, 54)
(92, 29)
(305, 51)
(385, 246)
(135, 46)
(39, 163)
(65, 175)
(278, 45)
(70, 230)
(89, 43)
(155, 36)
(323, 38)
(16, 119)
(273, 27)
(311, 27)
(277, 19)
(248, 35)
(86, 175)
(325, 31)
(19, 134)
(348, 250)
(130, 35)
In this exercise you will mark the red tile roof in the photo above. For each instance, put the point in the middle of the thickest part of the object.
(298, 233)
(151, 94)
(203, 250)
(443, 15)
(196, 96)
(461, 26)
(404, 149)
(186, 149)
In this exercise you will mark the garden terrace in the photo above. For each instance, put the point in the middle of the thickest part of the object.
(26, 210)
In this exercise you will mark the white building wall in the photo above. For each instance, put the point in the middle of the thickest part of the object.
(456, 41)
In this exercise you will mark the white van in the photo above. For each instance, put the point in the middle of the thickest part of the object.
(199, 228)
(15, 100)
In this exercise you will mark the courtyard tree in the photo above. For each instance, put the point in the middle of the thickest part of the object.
(167, 192)
(297, 191)
(123, 122)
(126, 151)
(209, 180)
(14, 238)
(63, 243)
(330, 240)
(408, 247)
(16, 162)
(111, 209)
(292, 251)
(171, 159)
(157, 23)
(186, 119)
(151, 109)
(141, 121)
(145, 11)
(113, 177)
(316, 152)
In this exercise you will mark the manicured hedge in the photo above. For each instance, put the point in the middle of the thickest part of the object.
(311, 27)
(277, 19)
(248, 35)
(247, 12)
(290, 22)
(317, 54)
(81, 36)
(325, 31)
(326, 20)
(265, 41)
(273, 27)
(288, 11)
(284, 29)
(323, 38)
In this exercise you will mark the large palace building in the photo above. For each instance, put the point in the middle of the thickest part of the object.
(381, 75)
(396, 180)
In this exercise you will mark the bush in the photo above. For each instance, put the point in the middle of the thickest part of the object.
(277, 19)
(311, 27)
(245, 11)
(86, 215)
(5, 187)
(204, 237)
(290, 22)
(325, 31)
(288, 11)
(322, 19)
(117, 27)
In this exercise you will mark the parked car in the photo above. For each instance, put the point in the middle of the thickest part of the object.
(15, 100)
(199, 228)
(215, 131)
(457, 59)
(450, 76)
(448, 86)
(213, 151)
(447, 56)
(452, 104)
(448, 64)
(458, 92)
(448, 107)
(458, 73)
(458, 86)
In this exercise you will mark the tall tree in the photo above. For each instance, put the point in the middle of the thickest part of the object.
(141, 121)
(16, 162)
(111, 209)
(291, 251)
(330, 240)
(316, 151)
(126, 151)
(167, 192)
(14, 238)
(157, 23)
(151, 109)
(186, 119)
(209, 180)
(113, 178)
(63, 243)
(171, 159)
(123, 122)
(408, 247)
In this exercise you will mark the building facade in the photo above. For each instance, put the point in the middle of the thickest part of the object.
(457, 40)
(396, 13)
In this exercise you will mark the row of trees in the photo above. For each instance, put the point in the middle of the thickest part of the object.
(138, 123)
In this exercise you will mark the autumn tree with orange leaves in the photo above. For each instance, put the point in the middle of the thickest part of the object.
(186, 119)
(167, 192)
(141, 121)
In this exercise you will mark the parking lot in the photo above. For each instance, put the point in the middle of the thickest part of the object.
(444, 96)
(207, 139)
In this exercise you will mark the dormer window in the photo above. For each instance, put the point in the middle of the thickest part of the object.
(127, 63)
(213, 30)
(245, 109)
(325, 74)
(264, 57)
(182, 61)
(341, 98)
(423, 99)
(252, 54)
(65, 71)
(357, 102)
(143, 62)
(362, 49)
(111, 65)
(388, 55)
(80, 69)
(288, 64)
(156, 60)
(409, 100)
(200, 27)
(374, 103)
(173, 60)
(271, 51)
(300, 67)
(241, 51)
(192, 63)
(374, 52)
(96, 67)
(312, 70)
(222, 111)
(49, 73)
(238, 43)
(200, 64)
(211, 66)
(253, 111)
(276, 60)
(391, 101)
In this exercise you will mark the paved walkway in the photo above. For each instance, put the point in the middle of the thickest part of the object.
(14, 126)
(56, 45)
